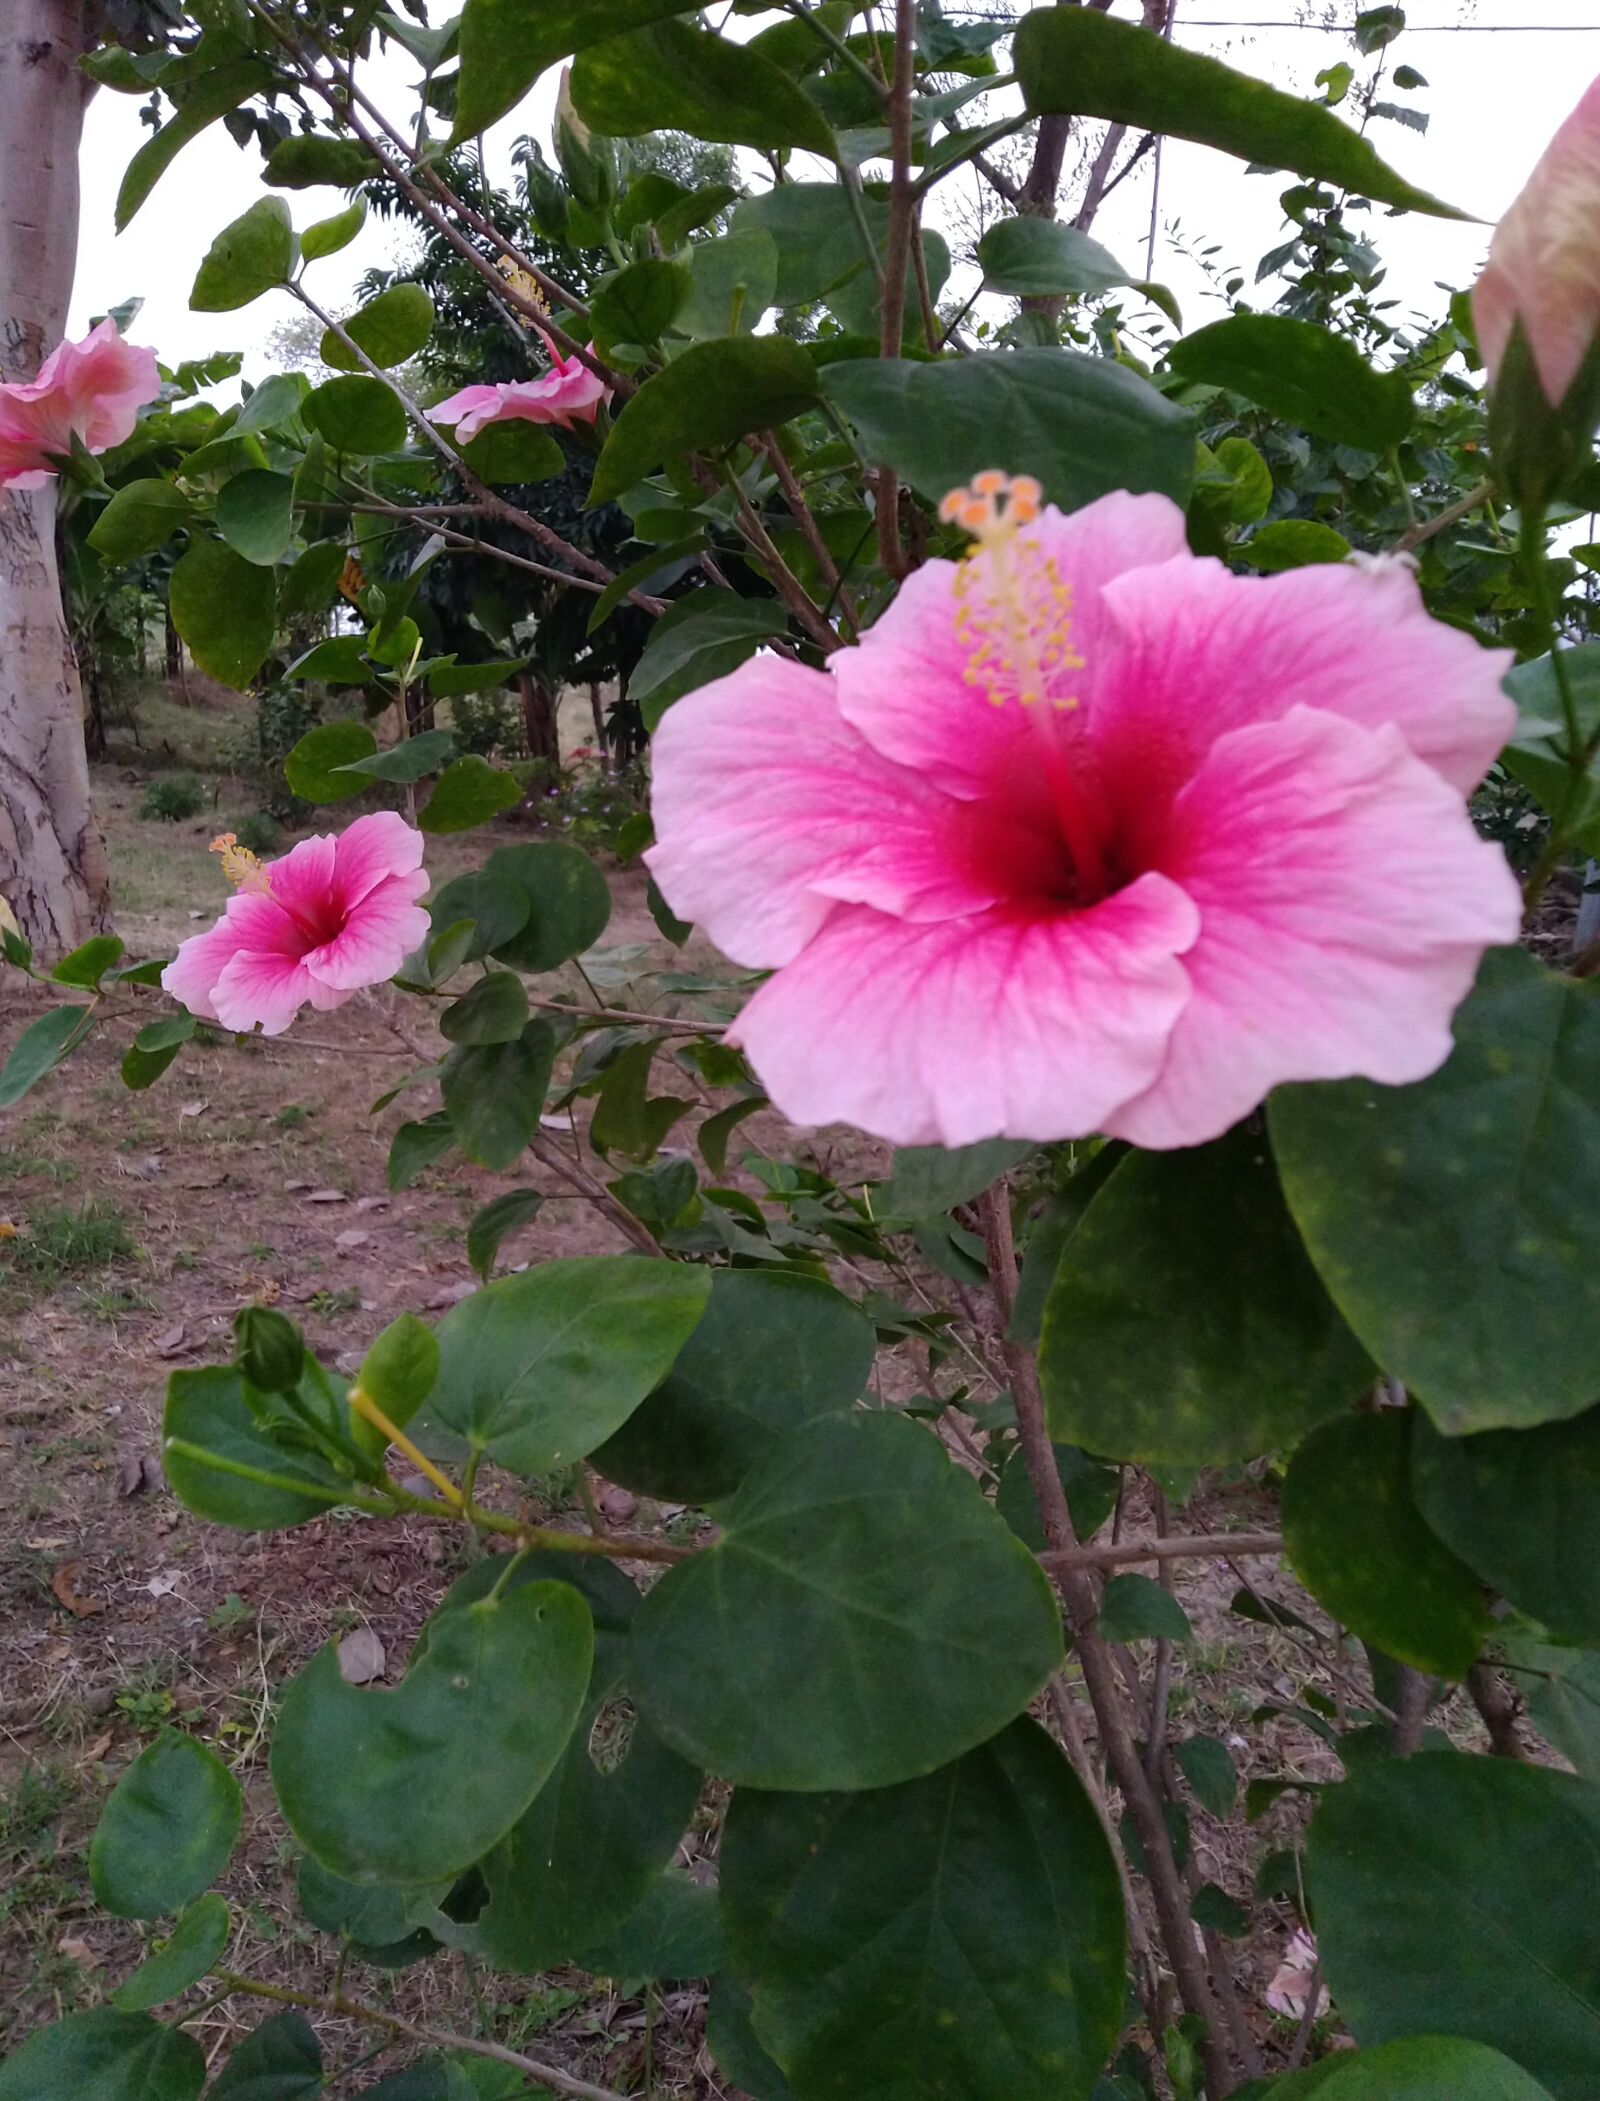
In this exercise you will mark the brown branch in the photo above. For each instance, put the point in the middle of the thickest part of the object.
(1081, 1597)
(1498, 1707)
(896, 260)
(1174, 1546)
(552, 2076)
(1428, 528)
(805, 518)
(545, 1148)
(674, 1025)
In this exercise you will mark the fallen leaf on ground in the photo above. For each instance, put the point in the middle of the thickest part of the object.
(327, 1196)
(168, 1345)
(351, 1238)
(63, 1581)
(165, 1583)
(361, 1657)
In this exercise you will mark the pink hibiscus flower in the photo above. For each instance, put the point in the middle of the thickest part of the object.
(93, 390)
(1088, 834)
(334, 914)
(569, 393)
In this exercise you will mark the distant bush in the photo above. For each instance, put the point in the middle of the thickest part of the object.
(488, 723)
(259, 833)
(173, 798)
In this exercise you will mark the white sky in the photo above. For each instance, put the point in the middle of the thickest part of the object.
(1496, 92)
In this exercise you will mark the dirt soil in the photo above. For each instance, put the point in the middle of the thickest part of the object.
(255, 1171)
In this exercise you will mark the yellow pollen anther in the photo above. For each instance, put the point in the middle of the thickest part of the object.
(525, 286)
(1013, 609)
(242, 868)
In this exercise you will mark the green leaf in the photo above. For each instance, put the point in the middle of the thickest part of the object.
(1522, 1509)
(492, 909)
(399, 1369)
(1235, 483)
(772, 1352)
(341, 660)
(411, 760)
(317, 768)
(569, 903)
(166, 1831)
(1457, 1222)
(514, 452)
(494, 1092)
(857, 304)
(372, 1914)
(213, 95)
(221, 1463)
(675, 1933)
(1416, 2068)
(818, 241)
(153, 1050)
(226, 609)
(416, 1146)
(279, 2061)
(507, 44)
(872, 1616)
(1185, 1324)
(957, 1934)
(928, 1179)
(246, 259)
(272, 404)
(468, 793)
(451, 679)
(704, 400)
(734, 280)
(626, 1119)
(732, 2042)
(1090, 1485)
(499, 1218)
(1293, 543)
(1136, 1608)
(139, 519)
(639, 304)
(1305, 374)
(1562, 1689)
(703, 636)
(415, 1784)
(494, 1011)
(1082, 426)
(1207, 1764)
(1360, 1546)
(105, 2056)
(40, 1048)
(312, 579)
(698, 209)
(197, 1940)
(1536, 754)
(1456, 1895)
(538, 1369)
(329, 235)
(390, 328)
(1041, 257)
(88, 963)
(255, 515)
(1077, 62)
(671, 76)
(356, 414)
(305, 159)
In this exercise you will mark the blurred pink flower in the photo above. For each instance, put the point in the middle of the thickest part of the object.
(334, 914)
(1544, 260)
(1090, 834)
(93, 390)
(568, 393)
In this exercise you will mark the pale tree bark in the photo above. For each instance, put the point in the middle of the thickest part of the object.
(52, 855)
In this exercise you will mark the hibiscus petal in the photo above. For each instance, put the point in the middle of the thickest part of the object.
(269, 988)
(375, 940)
(1205, 652)
(1345, 904)
(770, 809)
(371, 850)
(193, 972)
(904, 686)
(301, 886)
(1009, 1024)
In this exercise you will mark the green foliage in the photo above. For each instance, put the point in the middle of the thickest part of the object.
(171, 798)
(105, 2056)
(671, 76)
(190, 1952)
(704, 400)
(225, 608)
(246, 259)
(1303, 375)
(166, 1831)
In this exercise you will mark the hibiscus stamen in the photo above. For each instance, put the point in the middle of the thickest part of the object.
(1014, 621)
(242, 868)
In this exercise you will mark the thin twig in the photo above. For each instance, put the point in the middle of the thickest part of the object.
(546, 1149)
(1428, 528)
(626, 1016)
(1175, 1546)
(1498, 1708)
(897, 253)
(805, 518)
(553, 2076)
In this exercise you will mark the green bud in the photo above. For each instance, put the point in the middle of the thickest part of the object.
(271, 1353)
(590, 164)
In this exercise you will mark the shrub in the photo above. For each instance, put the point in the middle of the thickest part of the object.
(173, 798)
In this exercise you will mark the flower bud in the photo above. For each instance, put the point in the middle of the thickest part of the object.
(1536, 309)
(589, 164)
(271, 1353)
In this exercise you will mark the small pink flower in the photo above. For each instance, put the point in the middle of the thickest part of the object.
(567, 394)
(1088, 834)
(334, 914)
(1544, 260)
(93, 390)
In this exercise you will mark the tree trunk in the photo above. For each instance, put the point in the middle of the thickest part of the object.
(52, 856)
(597, 710)
(174, 651)
(539, 724)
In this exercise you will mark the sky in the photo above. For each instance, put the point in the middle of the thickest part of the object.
(1501, 75)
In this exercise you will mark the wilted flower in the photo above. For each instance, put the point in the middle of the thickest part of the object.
(569, 393)
(92, 391)
(334, 914)
(1544, 260)
(1090, 834)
